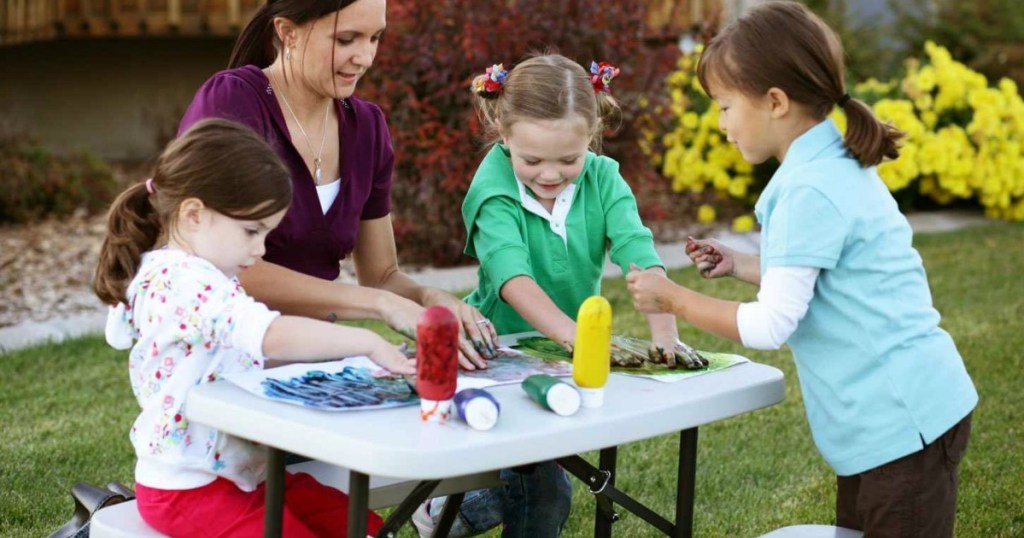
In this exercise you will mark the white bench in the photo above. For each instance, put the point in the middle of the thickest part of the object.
(813, 531)
(123, 520)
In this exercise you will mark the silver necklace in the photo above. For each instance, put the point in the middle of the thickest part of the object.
(318, 172)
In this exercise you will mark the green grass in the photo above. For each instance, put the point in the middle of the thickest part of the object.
(65, 410)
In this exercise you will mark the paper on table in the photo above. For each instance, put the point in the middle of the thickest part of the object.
(716, 361)
(511, 366)
(358, 383)
(350, 384)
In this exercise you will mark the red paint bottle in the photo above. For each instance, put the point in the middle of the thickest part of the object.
(437, 362)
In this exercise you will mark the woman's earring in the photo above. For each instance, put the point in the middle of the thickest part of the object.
(288, 54)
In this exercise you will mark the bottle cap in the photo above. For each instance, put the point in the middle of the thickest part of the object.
(563, 398)
(592, 397)
(435, 410)
(480, 413)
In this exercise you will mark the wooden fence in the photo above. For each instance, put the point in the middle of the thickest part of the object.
(24, 21)
(33, 20)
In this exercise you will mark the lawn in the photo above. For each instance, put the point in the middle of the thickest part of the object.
(65, 410)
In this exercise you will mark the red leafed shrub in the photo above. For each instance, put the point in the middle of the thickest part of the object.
(34, 183)
(421, 78)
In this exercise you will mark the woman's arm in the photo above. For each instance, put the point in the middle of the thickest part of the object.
(528, 299)
(376, 262)
(298, 294)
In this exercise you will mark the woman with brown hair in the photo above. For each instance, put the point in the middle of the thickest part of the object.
(291, 78)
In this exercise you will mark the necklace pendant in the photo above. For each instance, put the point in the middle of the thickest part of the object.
(318, 173)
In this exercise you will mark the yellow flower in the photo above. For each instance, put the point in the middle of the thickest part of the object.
(705, 214)
(743, 223)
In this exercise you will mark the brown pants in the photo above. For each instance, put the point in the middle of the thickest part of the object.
(912, 497)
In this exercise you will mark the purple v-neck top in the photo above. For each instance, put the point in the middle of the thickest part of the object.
(307, 240)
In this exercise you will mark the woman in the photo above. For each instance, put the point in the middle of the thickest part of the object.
(291, 77)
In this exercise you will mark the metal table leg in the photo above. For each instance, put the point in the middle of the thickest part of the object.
(358, 502)
(686, 482)
(605, 514)
(273, 511)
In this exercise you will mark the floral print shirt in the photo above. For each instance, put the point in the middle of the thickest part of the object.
(187, 323)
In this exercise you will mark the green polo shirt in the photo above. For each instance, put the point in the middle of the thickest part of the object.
(510, 241)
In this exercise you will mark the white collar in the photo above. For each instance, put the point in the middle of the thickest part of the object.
(560, 212)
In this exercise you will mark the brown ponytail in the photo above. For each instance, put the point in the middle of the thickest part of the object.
(868, 139)
(784, 45)
(224, 164)
(133, 227)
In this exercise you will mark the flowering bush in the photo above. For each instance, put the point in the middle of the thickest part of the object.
(964, 138)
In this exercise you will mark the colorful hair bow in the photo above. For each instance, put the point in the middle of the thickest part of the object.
(491, 82)
(601, 75)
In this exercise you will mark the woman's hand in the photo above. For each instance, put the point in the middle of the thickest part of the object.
(712, 258)
(391, 357)
(402, 315)
(478, 340)
(651, 290)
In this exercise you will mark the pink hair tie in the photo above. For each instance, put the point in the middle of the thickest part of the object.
(149, 186)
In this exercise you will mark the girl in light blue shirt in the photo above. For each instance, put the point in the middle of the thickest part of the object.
(887, 395)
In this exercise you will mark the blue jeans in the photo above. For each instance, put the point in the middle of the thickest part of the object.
(534, 503)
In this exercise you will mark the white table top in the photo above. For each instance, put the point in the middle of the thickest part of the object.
(396, 443)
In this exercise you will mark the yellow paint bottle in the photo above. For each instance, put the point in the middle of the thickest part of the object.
(591, 354)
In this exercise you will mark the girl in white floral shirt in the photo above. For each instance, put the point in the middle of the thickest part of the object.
(169, 269)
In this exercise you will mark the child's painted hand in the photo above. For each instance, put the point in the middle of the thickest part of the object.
(651, 290)
(712, 258)
(661, 351)
(391, 357)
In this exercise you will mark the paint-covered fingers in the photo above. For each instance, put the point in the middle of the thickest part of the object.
(711, 258)
(470, 357)
(690, 358)
(659, 355)
(483, 336)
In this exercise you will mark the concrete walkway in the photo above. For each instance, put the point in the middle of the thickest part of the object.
(454, 279)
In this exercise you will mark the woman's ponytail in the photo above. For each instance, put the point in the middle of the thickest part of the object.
(133, 227)
(255, 45)
(868, 139)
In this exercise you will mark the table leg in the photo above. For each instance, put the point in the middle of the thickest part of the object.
(273, 510)
(448, 513)
(605, 515)
(358, 502)
(685, 483)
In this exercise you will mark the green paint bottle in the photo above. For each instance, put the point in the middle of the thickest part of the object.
(552, 394)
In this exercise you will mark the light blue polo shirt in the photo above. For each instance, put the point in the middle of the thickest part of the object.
(879, 377)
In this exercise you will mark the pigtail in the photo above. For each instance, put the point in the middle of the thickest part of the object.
(609, 117)
(868, 139)
(133, 227)
(487, 89)
(255, 44)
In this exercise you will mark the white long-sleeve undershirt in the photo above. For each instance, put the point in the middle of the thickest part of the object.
(782, 301)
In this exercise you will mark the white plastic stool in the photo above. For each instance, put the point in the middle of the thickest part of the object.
(121, 520)
(813, 531)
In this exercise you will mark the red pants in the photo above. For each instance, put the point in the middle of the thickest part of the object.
(220, 509)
